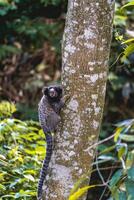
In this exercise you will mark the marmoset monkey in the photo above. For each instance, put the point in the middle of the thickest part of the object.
(49, 109)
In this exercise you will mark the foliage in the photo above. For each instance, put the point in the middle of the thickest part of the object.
(30, 43)
(80, 192)
(6, 109)
(24, 26)
(128, 4)
(21, 153)
(7, 50)
(120, 106)
(121, 183)
(123, 159)
(120, 90)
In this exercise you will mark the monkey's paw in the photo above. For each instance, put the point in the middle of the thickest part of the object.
(66, 98)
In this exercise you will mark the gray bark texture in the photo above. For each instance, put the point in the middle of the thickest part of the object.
(85, 53)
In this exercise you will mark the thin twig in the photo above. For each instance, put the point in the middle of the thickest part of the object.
(106, 185)
(100, 142)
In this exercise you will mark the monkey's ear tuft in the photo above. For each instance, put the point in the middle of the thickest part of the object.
(45, 90)
(60, 90)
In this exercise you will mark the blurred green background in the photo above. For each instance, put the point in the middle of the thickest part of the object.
(30, 57)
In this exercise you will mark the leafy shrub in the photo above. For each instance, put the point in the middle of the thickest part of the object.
(122, 181)
(119, 154)
(22, 150)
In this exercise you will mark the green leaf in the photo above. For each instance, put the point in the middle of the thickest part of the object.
(30, 171)
(130, 188)
(129, 50)
(2, 187)
(122, 151)
(127, 41)
(3, 2)
(105, 158)
(128, 122)
(107, 149)
(130, 173)
(127, 138)
(40, 150)
(117, 133)
(24, 193)
(80, 192)
(7, 109)
(79, 183)
(8, 195)
(2, 157)
(119, 195)
(17, 195)
(116, 178)
(14, 183)
(7, 49)
(122, 195)
(31, 152)
(120, 20)
(29, 177)
(130, 160)
(128, 4)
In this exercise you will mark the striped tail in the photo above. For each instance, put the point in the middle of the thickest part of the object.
(45, 165)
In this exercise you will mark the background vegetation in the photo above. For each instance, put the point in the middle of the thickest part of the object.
(30, 57)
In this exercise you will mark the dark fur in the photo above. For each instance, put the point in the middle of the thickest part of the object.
(49, 108)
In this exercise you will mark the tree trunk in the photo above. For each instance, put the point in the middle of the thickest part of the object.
(86, 47)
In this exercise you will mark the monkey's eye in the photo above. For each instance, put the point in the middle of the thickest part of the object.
(52, 92)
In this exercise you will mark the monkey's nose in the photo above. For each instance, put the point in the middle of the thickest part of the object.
(52, 92)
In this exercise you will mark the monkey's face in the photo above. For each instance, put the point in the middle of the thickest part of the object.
(54, 93)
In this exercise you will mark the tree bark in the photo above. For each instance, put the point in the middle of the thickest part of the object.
(86, 47)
